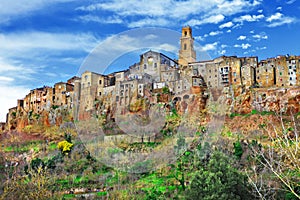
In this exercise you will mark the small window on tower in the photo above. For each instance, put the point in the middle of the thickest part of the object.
(185, 33)
(184, 46)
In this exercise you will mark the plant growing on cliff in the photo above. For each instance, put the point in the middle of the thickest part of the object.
(218, 180)
(165, 90)
(281, 158)
(238, 150)
(65, 147)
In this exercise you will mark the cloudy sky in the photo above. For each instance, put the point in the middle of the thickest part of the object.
(43, 42)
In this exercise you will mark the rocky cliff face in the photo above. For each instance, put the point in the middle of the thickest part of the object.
(276, 100)
(19, 119)
(192, 103)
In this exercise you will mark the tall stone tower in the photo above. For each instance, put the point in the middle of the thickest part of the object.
(186, 53)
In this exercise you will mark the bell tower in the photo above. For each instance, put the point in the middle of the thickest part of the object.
(186, 53)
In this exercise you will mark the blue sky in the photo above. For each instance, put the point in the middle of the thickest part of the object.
(43, 42)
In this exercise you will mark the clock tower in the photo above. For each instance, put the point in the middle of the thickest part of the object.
(187, 53)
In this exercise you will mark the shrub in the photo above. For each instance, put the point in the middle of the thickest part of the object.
(64, 146)
(238, 150)
(219, 180)
(165, 90)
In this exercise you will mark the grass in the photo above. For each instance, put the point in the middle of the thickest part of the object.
(101, 194)
(253, 112)
(35, 145)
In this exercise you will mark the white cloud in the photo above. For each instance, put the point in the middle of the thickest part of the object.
(228, 31)
(9, 100)
(209, 47)
(94, 18)
(248, 18)
(290, 1)
(243, 46)
(5, 79)
(223, 46)
(215, 19)
(214, 33)
(241, 37)
(278, 19)
(201, 12)
(222, 52)
(276, 16)
(261, 48)
(17, 8)
(226, 25)
(149, 22)
(200, 38)
(279, 8)
(260, 36)
(30, 41)
(260, 11)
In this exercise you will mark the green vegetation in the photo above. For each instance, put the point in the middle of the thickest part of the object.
(253, 112)
(165, 90)
(238, 150)
(232, 164)
(218, 180)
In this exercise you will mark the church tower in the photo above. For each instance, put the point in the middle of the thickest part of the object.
(186, 53)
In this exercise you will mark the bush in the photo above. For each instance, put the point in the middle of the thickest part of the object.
(238, 150)
(65, 147)
(218, 180)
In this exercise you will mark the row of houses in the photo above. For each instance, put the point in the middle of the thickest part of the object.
(155, 71)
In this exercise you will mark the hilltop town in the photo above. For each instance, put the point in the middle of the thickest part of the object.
(247, 83)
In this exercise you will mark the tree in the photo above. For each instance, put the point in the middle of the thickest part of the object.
(281, 158)
(218, 180)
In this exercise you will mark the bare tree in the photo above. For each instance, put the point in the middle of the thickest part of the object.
(280, 157)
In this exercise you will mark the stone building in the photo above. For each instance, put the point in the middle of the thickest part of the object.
(61, 94)
(280, 71)
(265, 73)
(37, 100)
(226, 71)
(91, 86)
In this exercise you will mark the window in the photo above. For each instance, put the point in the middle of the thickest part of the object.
(86, 77)
(184, 46)
(209, 71)
(266, 70)
(145, 66)
(155, 65)
(290, 67)
(89, 84)
(280, 73)
(215, 75)
(185, 33)
(258, 78)
(100, 82)
(291, 78)
(99, 93)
